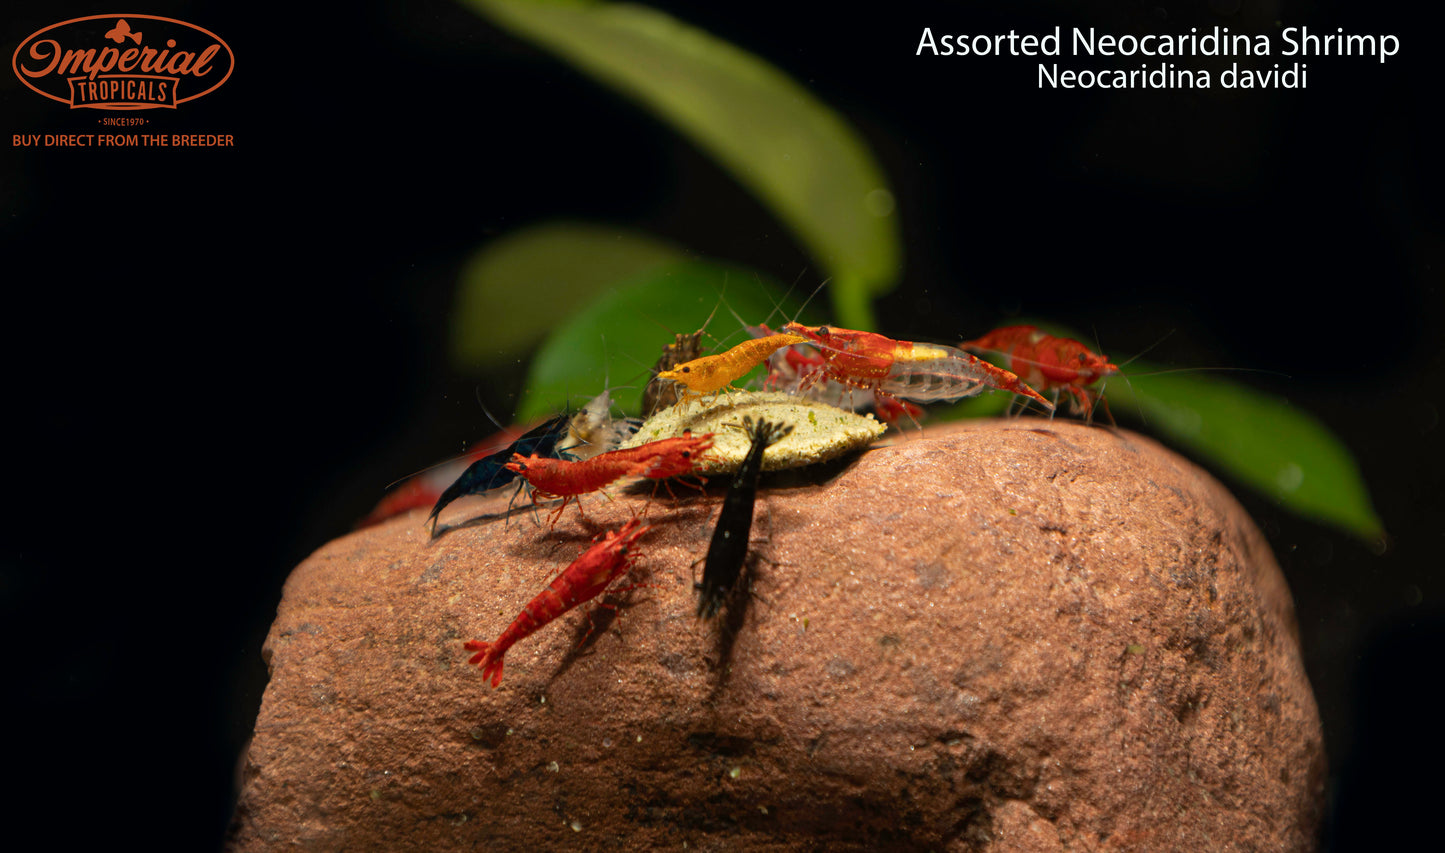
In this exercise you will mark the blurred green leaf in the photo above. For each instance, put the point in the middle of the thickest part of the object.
(986, 405)
(1262, 440)
(789, 149)
(619, 336)
(518, 287)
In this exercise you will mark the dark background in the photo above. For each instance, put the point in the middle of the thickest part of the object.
(216, 359)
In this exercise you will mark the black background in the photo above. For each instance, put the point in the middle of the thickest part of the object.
(217, 358)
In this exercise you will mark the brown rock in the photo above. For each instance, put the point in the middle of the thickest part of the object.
(998, 636)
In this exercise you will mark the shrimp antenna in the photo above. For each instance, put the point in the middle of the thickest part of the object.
(671, 331)
(741, 321)
(483, 406)
(722, 300)
(1263, 370)
(1178, 370)
(452, 459)
(1103, 399)
(1145, 350)
(607, 386)
(721, 297)
(606, 364)
(815, 292)
(643, 365)
(778, 306)
(421, 471)
(658, 323)
(435, 465)
(571, 395)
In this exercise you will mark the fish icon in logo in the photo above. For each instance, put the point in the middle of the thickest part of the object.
(122, 29)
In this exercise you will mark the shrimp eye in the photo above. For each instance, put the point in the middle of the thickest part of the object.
(823, 331)
(687, 454)
(686, 369)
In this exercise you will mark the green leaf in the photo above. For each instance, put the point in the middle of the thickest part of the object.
(789, 149)
(986, 405)
(1260, 439)
(618, 337)
(518, 287)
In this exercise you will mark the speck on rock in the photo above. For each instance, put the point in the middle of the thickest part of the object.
(1070, 638)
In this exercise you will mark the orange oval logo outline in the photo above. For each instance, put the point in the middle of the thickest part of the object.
(119, 34)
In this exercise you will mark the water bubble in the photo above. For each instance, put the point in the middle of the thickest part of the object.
(879, 202)
(1289, 477)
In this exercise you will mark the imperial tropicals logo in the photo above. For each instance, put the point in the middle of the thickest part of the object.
(123, 62)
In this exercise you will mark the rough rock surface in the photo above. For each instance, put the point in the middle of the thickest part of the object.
(997, 636)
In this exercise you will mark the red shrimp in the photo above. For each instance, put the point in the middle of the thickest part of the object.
(1050, 362)
(886, 405)
(912, 371)
(657, 460)
(609, 557)
(792, 368)
(673, 457)
(890, 408)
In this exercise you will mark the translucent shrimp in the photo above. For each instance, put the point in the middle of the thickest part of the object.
(904, 368)
(593, 430)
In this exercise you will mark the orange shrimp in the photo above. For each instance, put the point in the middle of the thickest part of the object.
(561, 478)
(658, 395)
(608, 558)
(1050, 362)
(911, 371)
(712, 373)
